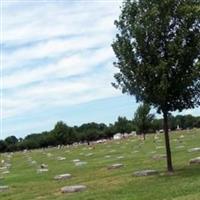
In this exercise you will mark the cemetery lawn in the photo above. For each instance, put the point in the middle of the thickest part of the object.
(102, 184)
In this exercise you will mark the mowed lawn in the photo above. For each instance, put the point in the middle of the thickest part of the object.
(102, 184)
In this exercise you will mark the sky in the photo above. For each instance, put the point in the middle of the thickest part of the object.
(57, 64)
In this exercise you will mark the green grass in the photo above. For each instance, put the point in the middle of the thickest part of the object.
(104, 184)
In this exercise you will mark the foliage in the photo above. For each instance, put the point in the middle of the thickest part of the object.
(158, 55)
(143, 119)
(66, 135)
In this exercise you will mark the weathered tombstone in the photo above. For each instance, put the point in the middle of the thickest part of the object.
(33, 162)
(49, 155)
(89, 154)
(76, 160)
(148, 172)
(62, 177)
(43, 166)
(159, 157)
(42, 170)
(5, 172)
(3, 188)
(120, 157)
(195, 161)
(115, 166)
(160, 147)
(61, 158)
(194, 149)
(80, 163)
(74, 188)
(180, 147)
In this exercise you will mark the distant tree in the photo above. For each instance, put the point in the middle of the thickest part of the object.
(63, 134)
(11, 140)
(3, 146)
(143, 119)
(158, 55)
(123, 125)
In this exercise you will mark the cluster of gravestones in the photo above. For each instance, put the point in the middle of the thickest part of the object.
(5, 167)
(41, 168)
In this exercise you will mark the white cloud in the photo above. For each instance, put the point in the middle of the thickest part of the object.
(56, 54)
(70, 66)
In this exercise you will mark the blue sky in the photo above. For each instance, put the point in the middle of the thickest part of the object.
(57, 65)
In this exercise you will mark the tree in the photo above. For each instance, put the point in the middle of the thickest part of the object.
(143, 119)
(60, 132)
(11, 140)
(158, 55)
(3, 146)
(123, 125)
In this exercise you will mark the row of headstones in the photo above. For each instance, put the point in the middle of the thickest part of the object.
(5, 169)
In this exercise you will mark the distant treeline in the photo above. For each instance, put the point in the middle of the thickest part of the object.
(62, 134)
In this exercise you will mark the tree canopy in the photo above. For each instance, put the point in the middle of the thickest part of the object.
(143, 119)
(158, 55)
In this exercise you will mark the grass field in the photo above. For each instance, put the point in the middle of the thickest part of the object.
(102, 184)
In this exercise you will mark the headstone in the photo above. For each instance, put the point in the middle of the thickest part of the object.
(147, 172)
(180, 147)
(195, 161)
(160, 147)
(116, 166)
(74, 188)
(33, 162)
(49, 155)
(80, 163)
(194, 149)
(159, 157)
(89, 154)
(3, 188)
(3, 168)
(120, 157)
(62, 176)
(5, 172)
(61, 158)
(76, 160)
(43, 166)
(42, 170)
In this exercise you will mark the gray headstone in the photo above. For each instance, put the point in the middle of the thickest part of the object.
(159, 157)
(42, 170)
(195, 160)
(194, 149)
(80, 163)
(116, 166)
(3, 188)
(61, 158)
(147, 172)
(62, 176)
(74, 188)
(76, 160)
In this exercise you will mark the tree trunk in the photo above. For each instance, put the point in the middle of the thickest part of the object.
(167, 143)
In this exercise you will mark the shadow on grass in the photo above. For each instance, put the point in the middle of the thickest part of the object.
(186, 171)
